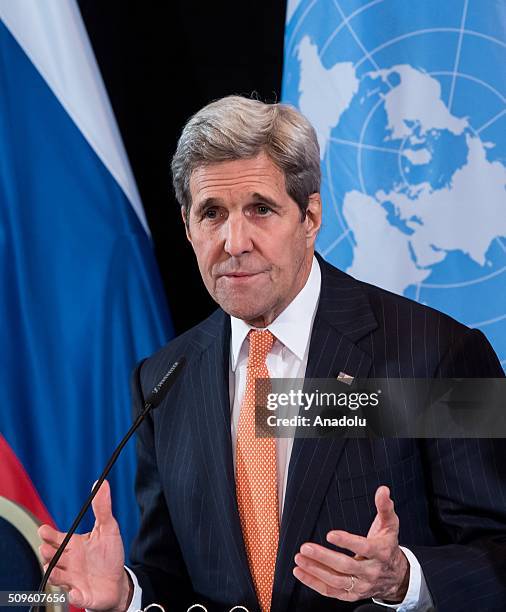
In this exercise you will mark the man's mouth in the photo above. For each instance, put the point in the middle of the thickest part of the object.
(240, 274)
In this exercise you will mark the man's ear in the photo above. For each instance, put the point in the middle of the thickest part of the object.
(186, 227)
(313, 218)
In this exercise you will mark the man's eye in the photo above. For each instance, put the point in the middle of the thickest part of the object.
(263, 209)
(210, 213)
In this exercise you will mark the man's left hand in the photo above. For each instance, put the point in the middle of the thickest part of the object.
(379, 568)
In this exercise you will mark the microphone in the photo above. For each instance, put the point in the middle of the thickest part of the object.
(369, 607)
(154, 399)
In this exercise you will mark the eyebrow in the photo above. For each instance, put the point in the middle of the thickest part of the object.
(265, 199)
(258, 197)
(206, 203)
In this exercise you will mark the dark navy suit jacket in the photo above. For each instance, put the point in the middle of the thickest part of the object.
(450, 495)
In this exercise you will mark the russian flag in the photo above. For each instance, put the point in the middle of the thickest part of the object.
(81, 298)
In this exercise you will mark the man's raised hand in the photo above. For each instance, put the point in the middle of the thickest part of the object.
(91, 568)
(379, 568)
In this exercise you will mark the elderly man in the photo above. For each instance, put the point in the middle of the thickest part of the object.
(229, 519)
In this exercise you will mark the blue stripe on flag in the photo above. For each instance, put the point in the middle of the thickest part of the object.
(81, 303)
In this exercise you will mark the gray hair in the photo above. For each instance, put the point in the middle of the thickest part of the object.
(233, 128)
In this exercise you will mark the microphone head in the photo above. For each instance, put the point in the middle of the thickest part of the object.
(162, 388)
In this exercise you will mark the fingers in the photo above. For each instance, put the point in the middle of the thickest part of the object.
(336, 561)
(322, 572)
(50, 535)
(102, 505)
(357, 544)
(329, 572)
(321, 587)
(385, 507)
(59, 577)
(47, 552)
(64, 579)
(314, 583)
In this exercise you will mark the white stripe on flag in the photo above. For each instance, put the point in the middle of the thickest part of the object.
(53, 36)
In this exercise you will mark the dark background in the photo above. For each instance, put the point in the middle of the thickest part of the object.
(162, 61)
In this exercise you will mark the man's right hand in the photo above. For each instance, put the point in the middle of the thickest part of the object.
(92, 567)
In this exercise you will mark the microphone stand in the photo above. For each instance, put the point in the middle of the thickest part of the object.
(154, 399)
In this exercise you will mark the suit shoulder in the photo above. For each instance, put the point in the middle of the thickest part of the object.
(389, 307)
(458, 349)
(386, 304)
(410, 336)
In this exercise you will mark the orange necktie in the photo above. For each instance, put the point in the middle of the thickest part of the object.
(256, 479)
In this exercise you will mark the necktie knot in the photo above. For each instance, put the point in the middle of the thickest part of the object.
(260, 345)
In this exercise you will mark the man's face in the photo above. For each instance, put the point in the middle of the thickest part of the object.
(253, 251)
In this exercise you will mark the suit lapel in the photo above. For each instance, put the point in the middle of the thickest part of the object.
(343, 317)
(211, 403)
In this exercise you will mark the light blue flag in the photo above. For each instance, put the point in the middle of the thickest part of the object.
(81, 299)
(409, 103)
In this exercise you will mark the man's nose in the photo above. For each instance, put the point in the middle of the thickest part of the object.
(237, 236)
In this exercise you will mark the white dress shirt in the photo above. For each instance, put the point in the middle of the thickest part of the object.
(288, 359)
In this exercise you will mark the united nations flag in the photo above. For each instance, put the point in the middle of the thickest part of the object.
(408, 100)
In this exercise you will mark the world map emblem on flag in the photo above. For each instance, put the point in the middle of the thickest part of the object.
(409, 104)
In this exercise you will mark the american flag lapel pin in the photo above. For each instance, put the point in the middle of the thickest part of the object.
(347, 379)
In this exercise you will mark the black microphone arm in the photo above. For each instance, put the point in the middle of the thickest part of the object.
(154, 399)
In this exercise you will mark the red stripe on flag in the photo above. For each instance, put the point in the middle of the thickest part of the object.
(15, 484)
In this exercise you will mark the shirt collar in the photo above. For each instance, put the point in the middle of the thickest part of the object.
(292, 327)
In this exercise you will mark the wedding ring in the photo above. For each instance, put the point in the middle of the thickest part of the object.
(352, 584)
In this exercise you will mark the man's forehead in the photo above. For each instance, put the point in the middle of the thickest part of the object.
(254, 175)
